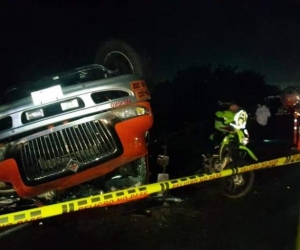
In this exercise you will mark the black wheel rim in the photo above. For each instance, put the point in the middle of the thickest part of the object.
(119, 63)
(235, 184)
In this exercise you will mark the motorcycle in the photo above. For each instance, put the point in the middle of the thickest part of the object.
(230, 153)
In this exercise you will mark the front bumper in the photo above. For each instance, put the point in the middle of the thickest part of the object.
(59, 169)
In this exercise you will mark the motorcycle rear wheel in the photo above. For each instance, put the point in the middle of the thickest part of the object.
(237, 186)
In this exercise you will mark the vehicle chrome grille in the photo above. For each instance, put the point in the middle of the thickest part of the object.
(81, 144)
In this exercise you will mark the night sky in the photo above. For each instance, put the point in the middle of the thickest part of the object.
(263, 36)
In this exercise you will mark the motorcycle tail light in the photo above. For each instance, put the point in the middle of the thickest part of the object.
(245, 141)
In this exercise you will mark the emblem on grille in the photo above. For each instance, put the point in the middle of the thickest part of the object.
(72, 165)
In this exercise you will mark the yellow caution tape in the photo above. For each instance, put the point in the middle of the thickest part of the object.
(130, 194)
(298, 231)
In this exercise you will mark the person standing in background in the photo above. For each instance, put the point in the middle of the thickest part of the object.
(262, 115)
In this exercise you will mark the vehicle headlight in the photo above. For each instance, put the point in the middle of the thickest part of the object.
(3, 148)
(34, 114)
(130, 112)
(69, 104)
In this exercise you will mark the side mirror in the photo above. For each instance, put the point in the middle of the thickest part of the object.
(163, 160)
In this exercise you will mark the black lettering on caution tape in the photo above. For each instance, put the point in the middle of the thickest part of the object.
(234, 170)
(64, 209)
(82, 203)
(19, 217)
(35, 213)
(288, 159)
(294, 160)
(164, 186)
(120, 194)
(108, 196)
(4, 220)
(96, 199)
(67, 208)
(131, 191)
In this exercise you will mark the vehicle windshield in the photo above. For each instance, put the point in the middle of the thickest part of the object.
(67, 78)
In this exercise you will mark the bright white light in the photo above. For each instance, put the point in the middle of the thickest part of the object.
(130, 112)
(69, 105)
(34, 114)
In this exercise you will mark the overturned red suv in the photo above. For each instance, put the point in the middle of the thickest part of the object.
(84, 129)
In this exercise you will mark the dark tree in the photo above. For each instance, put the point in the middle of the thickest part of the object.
(193, 94)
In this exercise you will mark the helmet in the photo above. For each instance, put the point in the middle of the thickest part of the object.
(234, 107)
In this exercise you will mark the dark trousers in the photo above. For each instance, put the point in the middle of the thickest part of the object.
(260, 133)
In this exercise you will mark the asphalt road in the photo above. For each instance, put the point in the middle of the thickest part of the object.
(264, 219)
